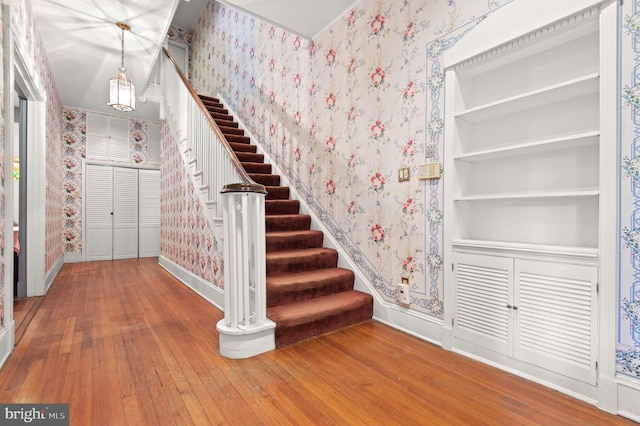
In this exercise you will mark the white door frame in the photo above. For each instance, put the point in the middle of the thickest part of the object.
(36, 171)
(19, 71)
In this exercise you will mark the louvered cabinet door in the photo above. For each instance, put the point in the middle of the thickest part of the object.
(483, 296)
(125, 213)
(555, 314)
(97, 145)
(119, 139)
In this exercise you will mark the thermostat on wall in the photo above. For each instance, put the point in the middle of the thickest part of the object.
(429, 171)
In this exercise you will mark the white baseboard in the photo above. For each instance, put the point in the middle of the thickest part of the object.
(411, 322)
(73, 258)
(7, 342)
(208, 291)
(53, 273)
(608, 394)
(628, 397)
(564, 384)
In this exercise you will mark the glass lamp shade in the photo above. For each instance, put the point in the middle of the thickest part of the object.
(122, 92)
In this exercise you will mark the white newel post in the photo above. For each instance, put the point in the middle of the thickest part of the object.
(245, 330)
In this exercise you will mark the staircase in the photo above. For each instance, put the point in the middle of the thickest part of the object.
(307, 293)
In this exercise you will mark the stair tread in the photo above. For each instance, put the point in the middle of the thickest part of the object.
(283, 240)
(231, 130)
(318, 308)
(264, 175)
(250, 157)
(296, 253)
(308, 278)
(280, 216)
(240, 140)
(293, 233)
(287, 201)
(282, 206)
(242, 147)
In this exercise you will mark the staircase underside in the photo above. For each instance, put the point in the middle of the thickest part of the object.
(307, 293)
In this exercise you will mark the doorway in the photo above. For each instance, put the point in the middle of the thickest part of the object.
(20, 179)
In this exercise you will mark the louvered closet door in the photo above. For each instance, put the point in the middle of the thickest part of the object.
(98, 212)
(556, 317)
(149, 213)
(125, 213)
(484, 290)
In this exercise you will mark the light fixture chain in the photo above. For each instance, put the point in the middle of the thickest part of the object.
(122, 57)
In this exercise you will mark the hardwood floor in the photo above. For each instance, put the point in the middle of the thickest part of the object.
(24, 309)
(124, 342)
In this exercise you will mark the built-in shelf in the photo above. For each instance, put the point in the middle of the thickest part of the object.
(570, 89)
(590, 138)
(503, 247)
(525, 158)
(529, 195)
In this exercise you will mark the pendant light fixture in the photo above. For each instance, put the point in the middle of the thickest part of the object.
(122, 92)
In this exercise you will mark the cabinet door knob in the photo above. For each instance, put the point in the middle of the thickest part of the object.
(509, 306)
(515, 308)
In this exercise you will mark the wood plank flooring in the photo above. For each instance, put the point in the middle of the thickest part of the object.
(124, 342)
(24, 309)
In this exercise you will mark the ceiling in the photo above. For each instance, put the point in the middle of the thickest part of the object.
(307, 18)
(83, 44)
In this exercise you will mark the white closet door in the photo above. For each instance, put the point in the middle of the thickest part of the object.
(149, 225)
(99, 212)
(125, 213)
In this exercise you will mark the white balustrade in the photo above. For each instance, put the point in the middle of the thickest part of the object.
(232, 199)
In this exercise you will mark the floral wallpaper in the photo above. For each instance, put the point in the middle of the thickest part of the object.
(185, 235)
(340, 115)
(179, 35)
(74, 127)
(628, 353)
(54, 172)
(74, 138)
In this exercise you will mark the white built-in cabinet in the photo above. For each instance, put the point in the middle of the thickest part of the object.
(121, 203)
(525, 172)
(538, 311)
(107, 138)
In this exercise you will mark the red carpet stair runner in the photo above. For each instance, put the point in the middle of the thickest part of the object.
(307, 294)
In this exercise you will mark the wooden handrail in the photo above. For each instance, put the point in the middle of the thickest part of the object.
(254, 187)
